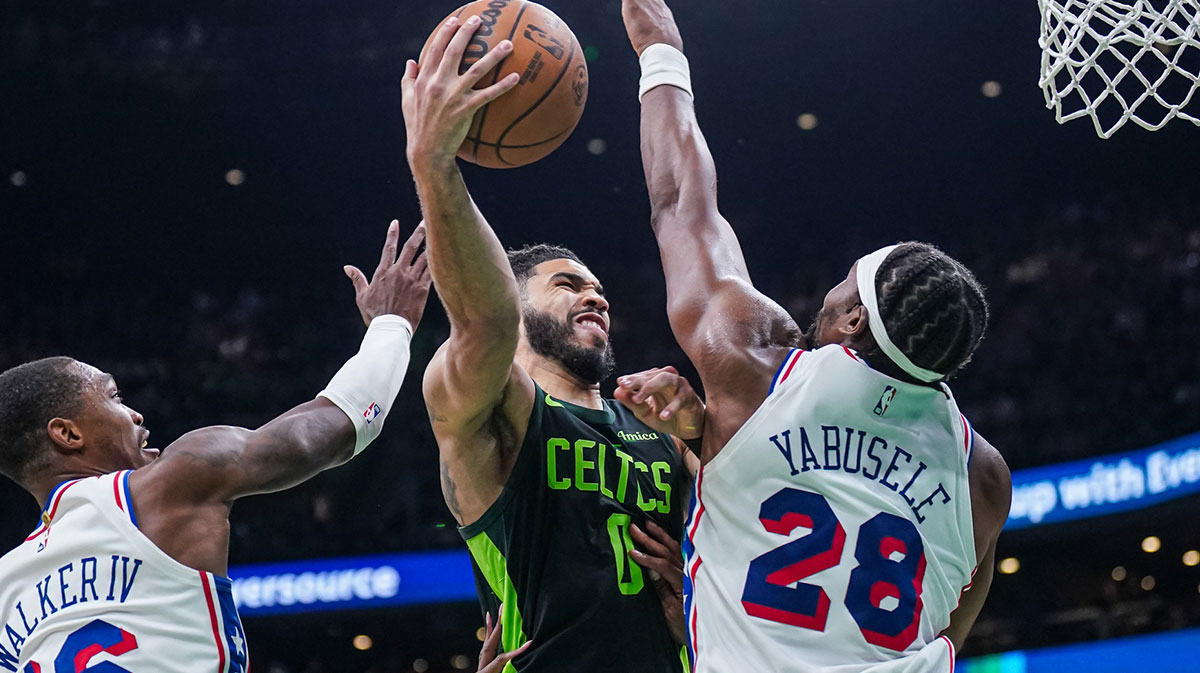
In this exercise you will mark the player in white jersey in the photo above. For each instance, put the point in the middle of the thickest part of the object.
(126, 569)
(844, 503)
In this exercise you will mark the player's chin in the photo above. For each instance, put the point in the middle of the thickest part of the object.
(593, 342)
(589, 338)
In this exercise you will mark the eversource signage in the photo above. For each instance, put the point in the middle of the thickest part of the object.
(1105, 485)
(358, 582)
(1050, 494)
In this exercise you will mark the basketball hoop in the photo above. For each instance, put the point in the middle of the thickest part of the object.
(1116, 62)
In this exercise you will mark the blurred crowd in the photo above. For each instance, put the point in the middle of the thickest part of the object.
(1091, 349)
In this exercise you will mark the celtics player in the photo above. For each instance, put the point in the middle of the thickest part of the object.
(549, 481)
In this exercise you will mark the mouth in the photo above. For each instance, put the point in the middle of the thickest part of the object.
(146, 442)
(594, 323)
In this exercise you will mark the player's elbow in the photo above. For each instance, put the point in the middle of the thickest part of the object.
(488, 320)
(323, 452)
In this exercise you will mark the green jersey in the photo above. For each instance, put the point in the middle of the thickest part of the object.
(554, 548)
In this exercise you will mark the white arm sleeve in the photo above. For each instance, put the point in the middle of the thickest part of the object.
(366, 386)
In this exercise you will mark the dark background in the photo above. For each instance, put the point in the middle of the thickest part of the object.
(122, 244)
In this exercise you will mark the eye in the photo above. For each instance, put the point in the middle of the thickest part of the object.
(117, 395)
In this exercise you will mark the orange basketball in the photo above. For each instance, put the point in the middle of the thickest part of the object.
(538, 114)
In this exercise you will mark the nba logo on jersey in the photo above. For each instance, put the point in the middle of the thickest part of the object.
(372, 412)
(885, 399)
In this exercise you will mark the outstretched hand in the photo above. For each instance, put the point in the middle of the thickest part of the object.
(650, 22)
(661, 556)
(490, 661)
(664, 400)
(439, 102)
(400, 285)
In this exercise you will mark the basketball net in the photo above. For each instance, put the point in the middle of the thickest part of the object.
(1117, 62)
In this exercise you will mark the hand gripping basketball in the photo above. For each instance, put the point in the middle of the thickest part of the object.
(438, 102)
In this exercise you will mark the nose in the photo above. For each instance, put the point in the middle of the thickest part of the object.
(138, 419)
(595, 301)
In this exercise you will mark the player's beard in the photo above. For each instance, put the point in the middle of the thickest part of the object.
(814, 330)
(555, 339)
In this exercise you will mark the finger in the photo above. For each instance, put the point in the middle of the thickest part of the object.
(491, 93)
(649, 395)
(672, 407)
(437, 47)
(489, 61)
(664, 382)
(491, 643)
(410, 76)
(649, 545)
(669, 575)
(421, 264)
(663, 537)
(388, 256)
(635, 380)
(508, 656)
(452, 58)
(659, 383)
(650, 562)
(358, 278)
(409, 252)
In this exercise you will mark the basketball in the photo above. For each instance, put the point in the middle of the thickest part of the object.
(537, 115)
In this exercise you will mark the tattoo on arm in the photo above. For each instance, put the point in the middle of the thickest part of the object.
(450, 492)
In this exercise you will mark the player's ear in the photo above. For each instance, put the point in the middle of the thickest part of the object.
(65, 434)
(855, 322)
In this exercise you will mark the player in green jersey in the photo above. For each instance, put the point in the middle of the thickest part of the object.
(550, 482)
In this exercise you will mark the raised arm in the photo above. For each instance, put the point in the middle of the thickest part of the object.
(730, 330)
(182, 499)
(470, 374)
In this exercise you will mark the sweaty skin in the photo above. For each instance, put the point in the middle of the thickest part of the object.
(734, 335)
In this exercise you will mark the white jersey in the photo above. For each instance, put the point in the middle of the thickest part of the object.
(88, 591)
(833, 533)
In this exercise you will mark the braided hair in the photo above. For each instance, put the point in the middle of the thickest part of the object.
(932, 307)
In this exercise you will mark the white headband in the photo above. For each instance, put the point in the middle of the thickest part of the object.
(868, 267)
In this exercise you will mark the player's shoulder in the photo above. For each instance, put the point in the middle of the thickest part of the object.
(991, 480)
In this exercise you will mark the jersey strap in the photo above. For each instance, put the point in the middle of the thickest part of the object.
(785, 368)
(968, 436)
(121, 493)
(51, 507)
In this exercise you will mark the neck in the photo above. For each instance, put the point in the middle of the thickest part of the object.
(557, 381)
(43, 486)
(68, 469)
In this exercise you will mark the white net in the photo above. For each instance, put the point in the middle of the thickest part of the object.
(1117, 62)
